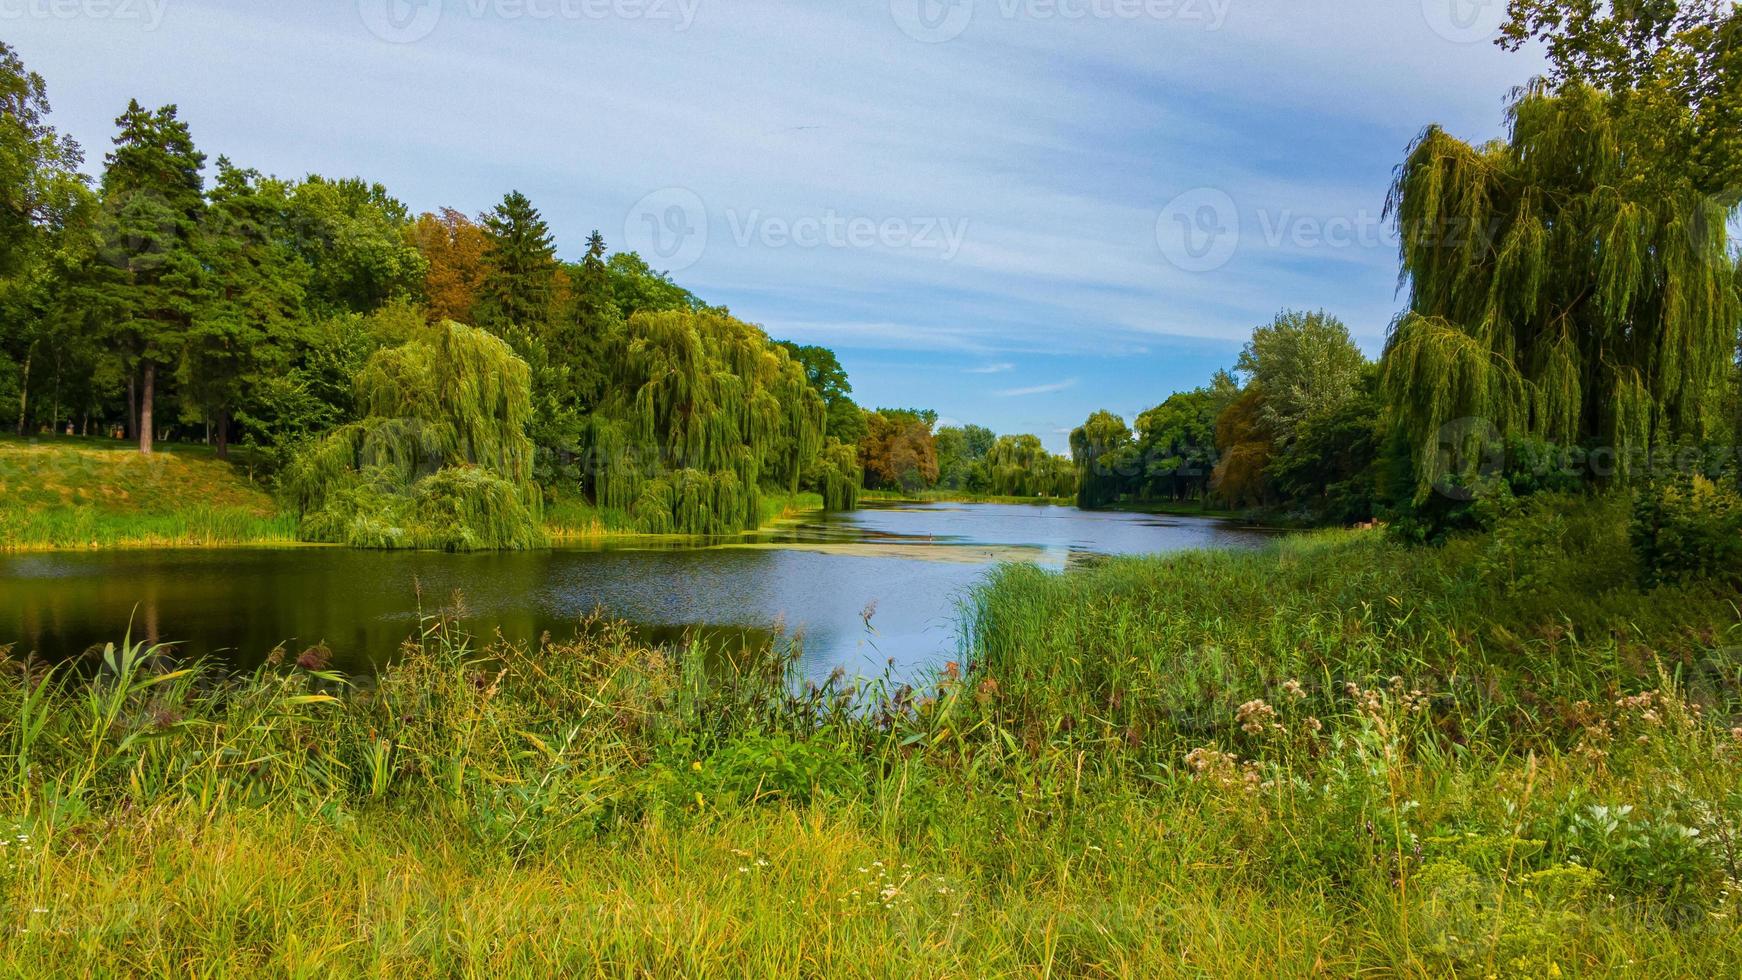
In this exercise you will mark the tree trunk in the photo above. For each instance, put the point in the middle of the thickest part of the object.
(148, 389)
(224, 434)
(24, 395)
(132, 406)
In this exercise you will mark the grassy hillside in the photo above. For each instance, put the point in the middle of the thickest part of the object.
(98, 493)
(1337, 756)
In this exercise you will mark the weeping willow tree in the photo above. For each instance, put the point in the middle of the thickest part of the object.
(440, 459)
(837, 475)
(1572, 284)
(1019, 466)
(705, 411)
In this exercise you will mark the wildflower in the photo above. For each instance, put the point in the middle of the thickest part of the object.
(316, 657)
(1315, 724)
(1294, 690)
(1736, 733)
(1253, 716)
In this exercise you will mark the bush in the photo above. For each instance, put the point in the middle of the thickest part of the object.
(1688, 529)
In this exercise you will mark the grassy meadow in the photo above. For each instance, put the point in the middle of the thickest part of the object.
(1337, 755)
(75, 493)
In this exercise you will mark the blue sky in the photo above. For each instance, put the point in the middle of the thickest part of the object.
(1013, 211)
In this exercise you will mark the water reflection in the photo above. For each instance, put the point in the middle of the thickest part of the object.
(858, 590)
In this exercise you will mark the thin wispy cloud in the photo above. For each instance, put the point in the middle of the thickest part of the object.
(1056, 386)
(990, 369)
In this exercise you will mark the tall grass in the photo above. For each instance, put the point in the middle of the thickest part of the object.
(1337, 756)
(72, 493)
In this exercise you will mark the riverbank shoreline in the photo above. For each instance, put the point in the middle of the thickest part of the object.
(1335, 754)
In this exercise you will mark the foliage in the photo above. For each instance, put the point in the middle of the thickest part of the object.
(704, 411)
(440, 458)
(962, 452)
(1688, 528)
(1105, 458)
(518, 294)
(1336, 755)
(1020, 466)
(899, 451)
(1305, 364)
(1329, 467)
(1246, 442)
(453, 248)
(1572, 284)
(1176, 440)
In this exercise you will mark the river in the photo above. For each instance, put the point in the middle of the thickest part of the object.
(868, 591)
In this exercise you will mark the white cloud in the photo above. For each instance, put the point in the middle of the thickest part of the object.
(1045, 389)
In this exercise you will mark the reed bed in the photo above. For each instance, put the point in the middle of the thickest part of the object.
(1335, 756)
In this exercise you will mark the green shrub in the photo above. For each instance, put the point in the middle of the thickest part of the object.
(1686, 530)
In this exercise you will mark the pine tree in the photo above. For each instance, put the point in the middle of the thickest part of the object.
(151, 280)
(256, 287)
(586, 337)
(519, 290)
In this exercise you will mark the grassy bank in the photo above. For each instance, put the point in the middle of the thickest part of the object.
(1335, 756)
(72, 493)
(68, 494)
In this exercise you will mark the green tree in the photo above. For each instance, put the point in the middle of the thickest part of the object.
(962, 452)
(353, 235)
(1020, 466)
(586, 338)
(1105, 458)
(519, 290)
(702, 412)
(1305, 363)
(246, 328)
(1176, 440)
(150, 282)
(639, 288)
(1574, 283)
(45, 224)
(1683, 57)
(440, 457)
(1328, 470)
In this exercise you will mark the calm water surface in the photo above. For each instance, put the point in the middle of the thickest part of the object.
(860, 589)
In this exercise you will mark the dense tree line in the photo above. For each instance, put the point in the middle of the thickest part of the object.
(1574, 300)
(418, 379)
